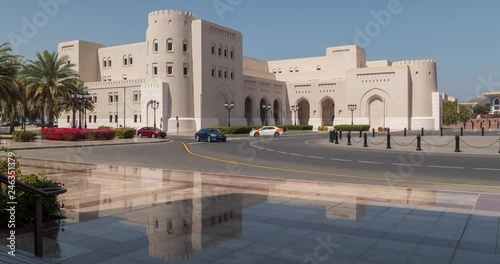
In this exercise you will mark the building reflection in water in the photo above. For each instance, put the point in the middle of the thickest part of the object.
(186, 212)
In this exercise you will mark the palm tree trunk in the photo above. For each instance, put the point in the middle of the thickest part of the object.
(43, 116)
(74, 117)
(11, 130)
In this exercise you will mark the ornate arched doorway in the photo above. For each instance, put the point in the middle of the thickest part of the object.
(303, 113)
(327, 111)
(376, 112)
(248, 111)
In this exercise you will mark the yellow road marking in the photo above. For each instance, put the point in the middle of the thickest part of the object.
(332, 174)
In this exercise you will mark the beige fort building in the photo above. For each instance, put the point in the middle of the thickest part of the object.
(192, 67)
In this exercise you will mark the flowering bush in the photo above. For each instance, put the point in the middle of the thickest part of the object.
(125, 132)
(74, 134)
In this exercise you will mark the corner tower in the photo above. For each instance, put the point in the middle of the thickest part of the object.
(169, 66)
(423, 85)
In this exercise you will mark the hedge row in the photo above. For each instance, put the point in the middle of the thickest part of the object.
(352, 127)
(247, 129)
(125, 132)
(23, 136)
(75, 134)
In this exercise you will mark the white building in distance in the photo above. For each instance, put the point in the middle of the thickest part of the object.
(192, 67)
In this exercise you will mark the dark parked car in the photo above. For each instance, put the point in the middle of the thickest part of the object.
(209, 135)
(151, 132)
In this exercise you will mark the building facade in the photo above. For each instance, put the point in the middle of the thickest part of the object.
(193, 67)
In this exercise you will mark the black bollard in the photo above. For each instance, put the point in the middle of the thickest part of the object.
(457, 143)
(336, 137)
(360, 134)
(373, 132)
(441, 131)
(422, 132)
(405, 132)
(365, 140)
(340, 134)
(388, 141)
(482, 131)
(419, 145)
(349, 138)
(461, 132)
(388, 130)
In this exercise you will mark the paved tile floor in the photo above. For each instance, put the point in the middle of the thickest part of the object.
(138, 215)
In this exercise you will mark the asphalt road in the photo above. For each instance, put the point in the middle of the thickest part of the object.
(290, 157)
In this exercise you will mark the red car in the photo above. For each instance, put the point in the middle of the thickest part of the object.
(151, 132)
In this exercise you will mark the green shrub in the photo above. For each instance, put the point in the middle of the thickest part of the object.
(23, 136)
(126, 132)
(298, 127)
(352, 127)
(51, 208)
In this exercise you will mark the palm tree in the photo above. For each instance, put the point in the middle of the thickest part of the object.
(9, 94)
(50, 79)
(74, 104)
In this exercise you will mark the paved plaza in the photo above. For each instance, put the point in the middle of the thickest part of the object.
(119, 214)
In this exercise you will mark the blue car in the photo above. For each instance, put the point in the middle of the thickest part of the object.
(210, 135)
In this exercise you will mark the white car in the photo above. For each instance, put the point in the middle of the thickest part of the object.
(267, 131)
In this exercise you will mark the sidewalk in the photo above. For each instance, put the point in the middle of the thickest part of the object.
(45, 144)
(468, 144)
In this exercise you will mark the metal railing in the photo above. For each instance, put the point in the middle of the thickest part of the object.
(38, 195)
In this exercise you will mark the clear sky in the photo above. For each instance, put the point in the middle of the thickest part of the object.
(463, 36)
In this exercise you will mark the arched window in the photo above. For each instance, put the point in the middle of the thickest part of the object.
(225, 51)
(104, 63)
(274, 70)
(279, 70)
(214, 47)
(109, 62)
(155, 45)
(497, 101)
(130, 60)
(220, 50)
(232, 53)
(291, 69)
(170, 45)
(185, 46)
(296, 69)
(318, 68)
(125, 60)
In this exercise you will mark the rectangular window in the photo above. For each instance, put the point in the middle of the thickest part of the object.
(225, 53)
(90, 119)
(220, 51)
(111, 118)
(95, 99)
(184, 47)
(95, 118)
(170, 68)
(225, 74)
(186, 69)
(155, 47)
(130, 61)
(104, 63)
(232, 75)
(135, 118)
(116, 98)
(213, 50)
(109, 63)
(136, 97)
(68, 119)
(110, 97)
(125, 61)
(155, 69)
(232, 54)
(213, 72)
(220, 73)
(116, 118)
(170, 46)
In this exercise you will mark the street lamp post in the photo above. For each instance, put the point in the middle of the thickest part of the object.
(352, 108)
(154, 104)
(229, 106)
(266, 108)
(86, 98)
(295, 108)
(78, 99)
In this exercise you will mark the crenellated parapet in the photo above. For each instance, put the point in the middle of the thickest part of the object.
(172, 13)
